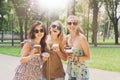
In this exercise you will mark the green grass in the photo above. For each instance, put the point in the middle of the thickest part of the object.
(106, 41)
(106, 58)
(14, 51)
(9, 42)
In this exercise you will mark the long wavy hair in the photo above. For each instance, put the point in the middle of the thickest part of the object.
(77, 20)
(32, 36)
(60, 35)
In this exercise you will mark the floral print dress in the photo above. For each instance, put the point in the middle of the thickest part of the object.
(78, 69)
(31, 70)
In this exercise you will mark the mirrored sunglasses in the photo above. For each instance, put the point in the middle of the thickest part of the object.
(57, 27)
(70, 23)
(37, 31)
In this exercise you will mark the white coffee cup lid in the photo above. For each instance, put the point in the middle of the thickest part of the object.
(69, 50)
(45, 54)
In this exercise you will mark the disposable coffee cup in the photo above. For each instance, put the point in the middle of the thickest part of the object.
(37, 47)
(45, 54)
(67, 47)
(69, 52)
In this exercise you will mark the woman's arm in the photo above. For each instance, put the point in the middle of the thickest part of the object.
(85, 46)
(60, 50)
(25, 57)
(62, 53)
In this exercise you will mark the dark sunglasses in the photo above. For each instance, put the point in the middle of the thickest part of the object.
(57, 27)
(37, 31)
(70, 23)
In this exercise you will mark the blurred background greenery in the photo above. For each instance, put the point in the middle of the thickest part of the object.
(98, 18)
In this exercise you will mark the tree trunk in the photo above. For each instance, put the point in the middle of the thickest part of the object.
(95, 23)
(111, 7)
(26, 23)
(71, 7)
(2, 36)
(108, 28)
(21, 29)
(73, 10)
(88, 22)
(104, 33)
(2, 28)
(116, 31)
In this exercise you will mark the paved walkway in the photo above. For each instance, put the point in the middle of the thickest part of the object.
(9, 63)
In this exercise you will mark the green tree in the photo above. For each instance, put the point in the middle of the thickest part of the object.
(83, 11)
(71, 7)
(3, 13)
(95, 4)
(111, 7)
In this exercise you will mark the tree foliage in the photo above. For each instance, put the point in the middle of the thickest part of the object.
(3, 12)
(111, 7)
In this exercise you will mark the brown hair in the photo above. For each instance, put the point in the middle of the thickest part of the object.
(32, 36)
(77, 20)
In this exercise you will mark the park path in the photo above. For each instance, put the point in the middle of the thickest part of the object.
(9, 63)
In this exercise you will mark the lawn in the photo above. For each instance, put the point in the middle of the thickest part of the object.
(14, 51)
(106, 58)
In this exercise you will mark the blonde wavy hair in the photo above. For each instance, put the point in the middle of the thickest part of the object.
(77, 20)
(60, 35)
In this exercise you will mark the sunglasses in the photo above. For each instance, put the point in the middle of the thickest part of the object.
(37, 31)
(57, 27)
(70, 23)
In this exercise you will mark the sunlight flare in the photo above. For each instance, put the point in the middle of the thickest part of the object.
(54, 4)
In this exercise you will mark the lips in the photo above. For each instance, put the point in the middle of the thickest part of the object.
(39, 35)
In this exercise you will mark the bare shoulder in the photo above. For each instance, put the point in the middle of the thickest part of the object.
(27, 44)
(67, 36)
(26, 48)
(82, 37)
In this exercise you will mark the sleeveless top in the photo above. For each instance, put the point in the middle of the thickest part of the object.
(53, 67)
(30, 70)
(77, 69)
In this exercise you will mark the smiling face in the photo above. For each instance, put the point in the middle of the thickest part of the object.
(72, 24)
(39, 31)
(55, 28)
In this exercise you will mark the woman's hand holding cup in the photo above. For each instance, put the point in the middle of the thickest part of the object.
(70, 58)
(55, 47)
(37, 49)
(69, 51)
(45, 56)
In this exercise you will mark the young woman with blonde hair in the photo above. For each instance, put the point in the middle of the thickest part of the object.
(77, 68)
(53, 68)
